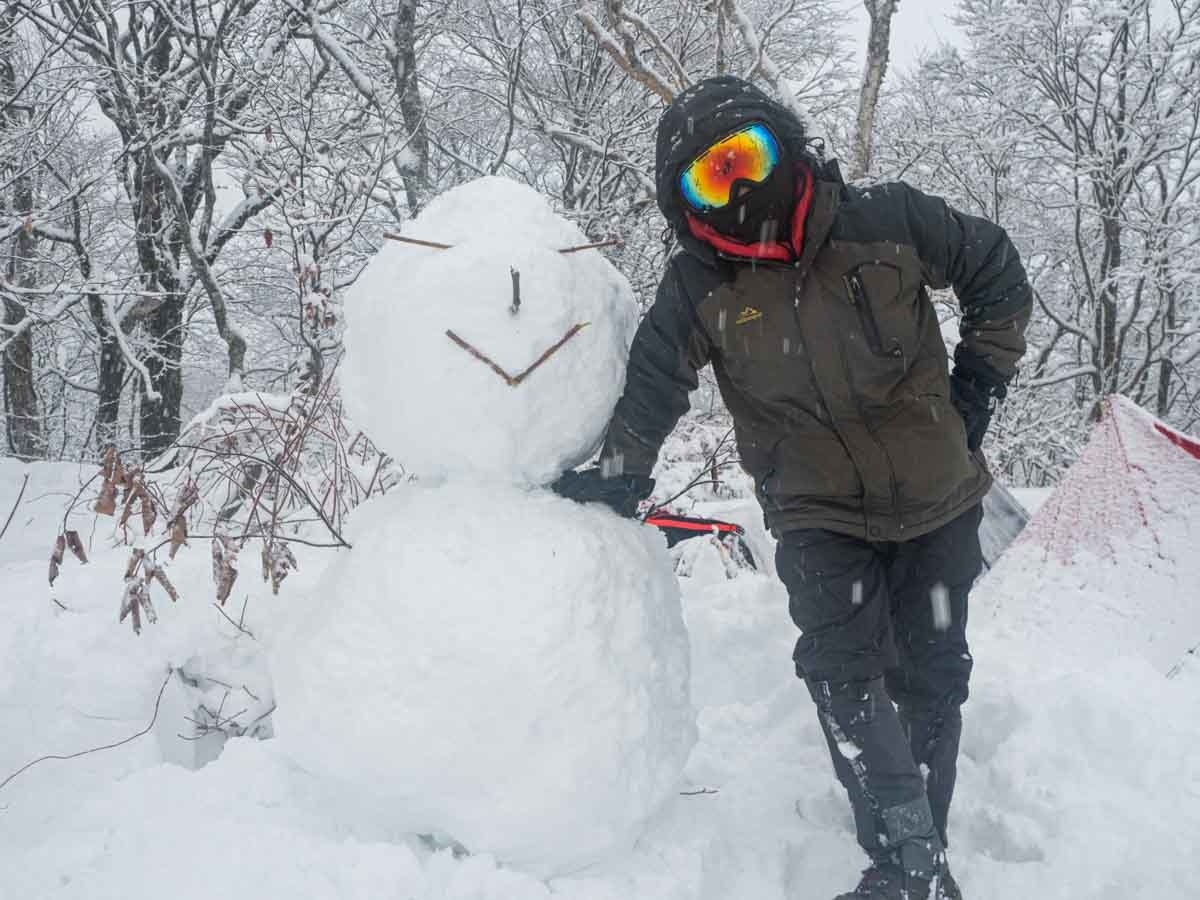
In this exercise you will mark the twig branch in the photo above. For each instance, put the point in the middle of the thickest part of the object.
(612, 242)
(516, 380)
(12, 512)
(624, 52)
(710, 465)
(766, 65)
(391, 236)
(437, 245)
(241, 628)
(132, 737)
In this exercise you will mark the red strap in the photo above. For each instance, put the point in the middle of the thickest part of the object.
(692, 524)
(1185, 444)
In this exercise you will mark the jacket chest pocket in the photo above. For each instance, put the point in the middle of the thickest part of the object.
(885, 309)
(756, 329)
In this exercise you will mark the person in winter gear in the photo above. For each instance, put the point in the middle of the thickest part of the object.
(810, 299)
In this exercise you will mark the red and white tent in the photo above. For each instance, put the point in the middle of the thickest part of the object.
(1111, 561)
(1136, 484)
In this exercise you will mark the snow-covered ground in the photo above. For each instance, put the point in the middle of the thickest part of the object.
(1078, 779)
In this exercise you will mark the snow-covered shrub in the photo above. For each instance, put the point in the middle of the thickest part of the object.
(253, 468)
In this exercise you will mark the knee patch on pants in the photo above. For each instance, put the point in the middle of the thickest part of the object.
(906, 821)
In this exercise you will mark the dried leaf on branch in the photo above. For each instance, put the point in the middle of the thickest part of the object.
(108, 463)
(187, 497)
(130, 496)
(149, 514)
(135, 601)
(179, 534)
(76, 546)
(277, 561)
(161, 577)
(154, 572)
(106, 503)
(135, 562)
(56, 557)
(225, 551)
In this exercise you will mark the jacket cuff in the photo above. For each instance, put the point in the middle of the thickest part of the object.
(626, 453)
(975, 369)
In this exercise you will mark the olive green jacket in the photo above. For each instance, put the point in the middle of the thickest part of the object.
(833, 367)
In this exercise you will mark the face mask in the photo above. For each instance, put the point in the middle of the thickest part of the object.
(742, 185)
(762, 214)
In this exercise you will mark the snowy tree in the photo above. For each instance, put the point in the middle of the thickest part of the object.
(1077, 126)
(175, 105)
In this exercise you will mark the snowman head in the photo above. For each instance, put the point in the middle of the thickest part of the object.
(500, 357)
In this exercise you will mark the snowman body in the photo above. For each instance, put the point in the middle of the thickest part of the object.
(492, 662)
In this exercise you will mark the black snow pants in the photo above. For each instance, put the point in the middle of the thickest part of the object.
(884, 624)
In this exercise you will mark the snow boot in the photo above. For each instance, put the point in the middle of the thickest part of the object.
(887, 879)
(947, 887)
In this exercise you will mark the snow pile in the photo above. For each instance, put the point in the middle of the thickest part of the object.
(448, 377)
(508, 669)
(1078, 778)
(72, 677)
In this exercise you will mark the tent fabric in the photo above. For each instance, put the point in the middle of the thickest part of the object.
(1136, 480)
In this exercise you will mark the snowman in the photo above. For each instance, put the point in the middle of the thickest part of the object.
(491, 663)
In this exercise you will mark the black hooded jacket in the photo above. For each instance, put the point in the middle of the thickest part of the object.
(832, 362)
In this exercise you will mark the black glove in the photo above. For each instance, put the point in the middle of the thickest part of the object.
(975, 399)
(622, 493)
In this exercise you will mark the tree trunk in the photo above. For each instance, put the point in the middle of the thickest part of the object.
(1106, 315)
(874, 69)
(110, 378)
(160, 419)
(22, 422)
(403, 57)
(1166, 367)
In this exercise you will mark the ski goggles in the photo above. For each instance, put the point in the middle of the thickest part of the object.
(749, 154)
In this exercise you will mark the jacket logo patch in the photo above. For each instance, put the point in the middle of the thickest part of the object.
(749, 314)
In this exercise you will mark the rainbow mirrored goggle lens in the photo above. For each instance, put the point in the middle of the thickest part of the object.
(750, 154)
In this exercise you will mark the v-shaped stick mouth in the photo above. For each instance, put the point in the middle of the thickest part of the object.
(516, 380)
(438, 245)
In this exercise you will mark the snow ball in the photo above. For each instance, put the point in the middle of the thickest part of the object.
(849, 749)
(505, 668)
(450, 376)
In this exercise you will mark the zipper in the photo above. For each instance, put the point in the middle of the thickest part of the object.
(858, 299)
(857, 294)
